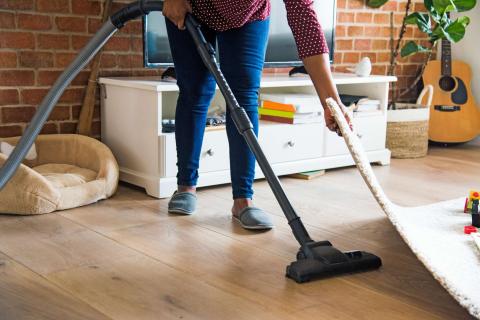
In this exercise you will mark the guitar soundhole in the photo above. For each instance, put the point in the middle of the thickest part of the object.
(447, 83)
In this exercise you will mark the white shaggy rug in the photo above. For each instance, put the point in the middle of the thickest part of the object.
(433, 232)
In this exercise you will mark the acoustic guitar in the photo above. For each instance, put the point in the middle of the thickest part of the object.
(454, 116)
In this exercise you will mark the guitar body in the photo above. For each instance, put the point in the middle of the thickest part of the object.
(454, 116)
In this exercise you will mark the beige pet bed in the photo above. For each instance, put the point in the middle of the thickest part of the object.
(69, 171)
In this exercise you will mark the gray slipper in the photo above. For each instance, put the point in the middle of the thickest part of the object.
(182, 203)
(254, 218)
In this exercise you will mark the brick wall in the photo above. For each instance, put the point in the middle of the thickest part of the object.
(39, 38)
(365, 32)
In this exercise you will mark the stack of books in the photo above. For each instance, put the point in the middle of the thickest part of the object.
(292, 108)
(361, 105)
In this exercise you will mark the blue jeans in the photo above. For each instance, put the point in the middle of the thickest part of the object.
(242, 55)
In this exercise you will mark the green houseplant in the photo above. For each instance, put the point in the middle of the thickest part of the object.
(407, 123)
(435, 23)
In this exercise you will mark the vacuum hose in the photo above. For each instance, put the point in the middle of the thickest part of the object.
(116, 22)
(207, 53)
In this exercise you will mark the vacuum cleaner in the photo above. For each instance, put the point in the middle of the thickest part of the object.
(314, 259)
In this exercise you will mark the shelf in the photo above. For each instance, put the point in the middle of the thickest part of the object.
(268, 81)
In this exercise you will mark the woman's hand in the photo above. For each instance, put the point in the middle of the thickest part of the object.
(176, 10)
(330, 119)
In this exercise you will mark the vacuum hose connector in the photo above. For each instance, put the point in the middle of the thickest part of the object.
(135, 10)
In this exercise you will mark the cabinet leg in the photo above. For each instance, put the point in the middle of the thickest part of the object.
(160, 189)
(384, 162)
(153, 189)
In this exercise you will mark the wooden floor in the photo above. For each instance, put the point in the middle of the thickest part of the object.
(126, 258)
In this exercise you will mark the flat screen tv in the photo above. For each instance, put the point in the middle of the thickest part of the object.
(281, 49)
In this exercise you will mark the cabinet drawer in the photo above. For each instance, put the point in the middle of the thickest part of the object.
(214, 155)
(286, 142)
(371, 131)
(280, 142)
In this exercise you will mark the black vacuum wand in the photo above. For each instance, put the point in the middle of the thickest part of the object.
(314, 259)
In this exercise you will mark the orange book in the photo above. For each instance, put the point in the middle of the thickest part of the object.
(289, 120)
(267, 104)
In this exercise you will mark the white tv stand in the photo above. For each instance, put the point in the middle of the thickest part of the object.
(133, 109)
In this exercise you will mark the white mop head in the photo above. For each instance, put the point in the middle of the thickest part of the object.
(433, 232)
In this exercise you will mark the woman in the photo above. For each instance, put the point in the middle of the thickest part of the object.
(241, 29)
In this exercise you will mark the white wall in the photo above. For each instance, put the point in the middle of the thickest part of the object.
(468, 49)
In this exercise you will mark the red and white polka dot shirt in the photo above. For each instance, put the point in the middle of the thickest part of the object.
(222, 15)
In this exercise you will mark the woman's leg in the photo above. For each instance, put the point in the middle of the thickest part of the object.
(242, 55)
(197, 88)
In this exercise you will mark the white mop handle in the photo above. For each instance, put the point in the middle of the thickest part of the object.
(358, 154)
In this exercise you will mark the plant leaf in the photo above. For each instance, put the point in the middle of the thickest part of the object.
(430, 8)
(439, 33)
(428, 4)
(464, 5)
(422, 20)
(376, 3)
(456, 30)
(411, 48)
(444, 6)
(465, 21)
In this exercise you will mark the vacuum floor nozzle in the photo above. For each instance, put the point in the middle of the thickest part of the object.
(321, 260)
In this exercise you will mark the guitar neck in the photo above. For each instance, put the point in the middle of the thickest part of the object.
(446, 58)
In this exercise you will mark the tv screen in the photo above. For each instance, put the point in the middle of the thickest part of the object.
(281, 49)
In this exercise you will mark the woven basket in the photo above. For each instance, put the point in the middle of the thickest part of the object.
(407, 139)
(407, 128)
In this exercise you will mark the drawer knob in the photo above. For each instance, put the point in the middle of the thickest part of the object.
(291, 143)
(210, 152)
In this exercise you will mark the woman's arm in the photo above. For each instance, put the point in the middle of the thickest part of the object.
(313, 50)
(318, 67)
